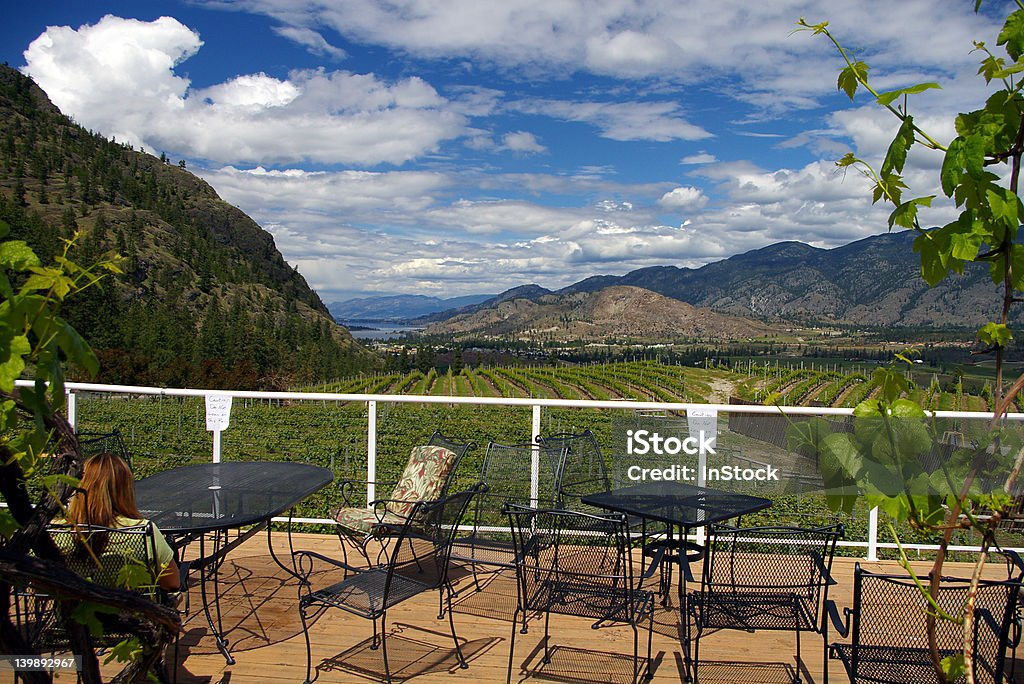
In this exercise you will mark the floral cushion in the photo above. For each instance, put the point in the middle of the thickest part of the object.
(423, 479)
(362, 520)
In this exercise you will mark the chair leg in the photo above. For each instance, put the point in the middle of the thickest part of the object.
(547, 638)
(384, 647)
(650, 637)
(305, 633)
(796, 677)
(451, 623)
(511, 648)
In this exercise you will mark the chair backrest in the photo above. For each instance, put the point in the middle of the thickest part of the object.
(424, 478)
(121, 557)
(456, 444)
(583, 470)
(98, 442)
(890, 615)
(507, 471)
(124, 558)
(426, 537)
(772, 562)
(571, 562)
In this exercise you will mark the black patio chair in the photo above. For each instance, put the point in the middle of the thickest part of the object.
(888, 633)
(122, 558)
(507, 470)
(428, 475)
(418, 555)
(583, 471)
(578, 564)
(771, 578)
(98, 442)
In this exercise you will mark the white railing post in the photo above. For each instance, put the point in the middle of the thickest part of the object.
(72, 401)
(873, 534)
(535, 457)
(371, 450)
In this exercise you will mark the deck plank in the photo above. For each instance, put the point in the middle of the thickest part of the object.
(261, 621)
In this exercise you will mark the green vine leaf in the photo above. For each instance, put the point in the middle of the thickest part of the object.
(995, 334)
(1012, 35)
(905, 215)
(886, 99)
(851, 77)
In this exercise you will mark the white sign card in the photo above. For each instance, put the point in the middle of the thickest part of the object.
(218, 412)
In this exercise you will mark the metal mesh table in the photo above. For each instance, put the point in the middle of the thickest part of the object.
(677, 504)
(190, 502)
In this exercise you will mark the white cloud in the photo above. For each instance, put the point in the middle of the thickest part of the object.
(117, 76)
(699, 158)
(312, 40)
(522, 141)
(687, 198)
(625, 121)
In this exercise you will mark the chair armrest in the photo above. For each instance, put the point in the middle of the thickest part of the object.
(1014, 559)
(826, 574)
(347, 487)
(304, 563)
(842, 625)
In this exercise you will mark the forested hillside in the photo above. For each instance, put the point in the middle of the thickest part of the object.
(206, 300)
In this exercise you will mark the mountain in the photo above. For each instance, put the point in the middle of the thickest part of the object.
(398, 308)
(617, 312)
(207, 299)
(874, 282)
(528, 292)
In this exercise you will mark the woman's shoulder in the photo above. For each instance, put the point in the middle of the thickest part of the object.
(123, 521)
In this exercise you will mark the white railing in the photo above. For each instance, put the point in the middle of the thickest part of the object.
(372, 401)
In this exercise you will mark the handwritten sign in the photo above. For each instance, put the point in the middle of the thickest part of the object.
(702, 420)
(218, 412)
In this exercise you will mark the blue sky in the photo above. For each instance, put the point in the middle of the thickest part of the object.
(451, 147)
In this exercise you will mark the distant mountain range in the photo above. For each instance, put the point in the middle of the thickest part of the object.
(870, 283)
(398, 308)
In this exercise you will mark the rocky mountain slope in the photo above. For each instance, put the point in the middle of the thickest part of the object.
(612, 313)
(207, 298)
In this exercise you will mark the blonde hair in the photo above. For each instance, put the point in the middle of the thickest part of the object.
(109, 492)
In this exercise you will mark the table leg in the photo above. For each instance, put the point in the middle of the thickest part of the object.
(293, 571)
(205, 570)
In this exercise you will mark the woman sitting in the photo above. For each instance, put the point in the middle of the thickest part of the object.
(108, 500)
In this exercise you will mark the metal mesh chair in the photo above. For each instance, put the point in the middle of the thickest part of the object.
(418, 552)
(99, 442)
(583, 469)
(507, 471)
(427, 476)
(123, 558)
(577, 564)
(771, 578)
(888, 634)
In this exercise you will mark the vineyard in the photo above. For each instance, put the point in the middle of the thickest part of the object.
(164, 431)
(652, 381)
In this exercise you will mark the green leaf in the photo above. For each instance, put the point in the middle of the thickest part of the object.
(995, 334)
(8, 525)
(905, 215)
(87, 613)
(888, 98)
(896, 156)
(1012, 35)
(965, 247)
(13, 350)
(955, 666)
(992, 67)
(952, 167)
(851, 77)
(18, 255)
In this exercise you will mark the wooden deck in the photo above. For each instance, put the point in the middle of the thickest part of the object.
(262, 623)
